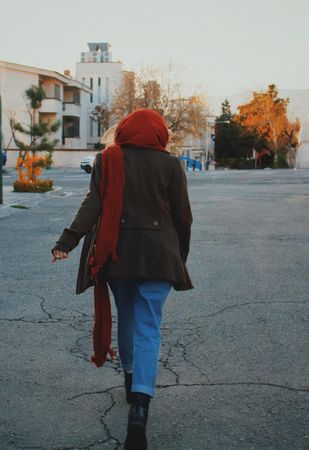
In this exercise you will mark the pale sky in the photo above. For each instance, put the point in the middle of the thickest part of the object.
(224, 46)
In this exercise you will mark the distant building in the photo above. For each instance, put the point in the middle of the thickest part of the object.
(302, 159)
(66, 100)
(103, 77)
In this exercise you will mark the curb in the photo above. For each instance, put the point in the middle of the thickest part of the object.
(24, 200)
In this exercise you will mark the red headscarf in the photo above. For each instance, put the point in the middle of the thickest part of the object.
(145, 129)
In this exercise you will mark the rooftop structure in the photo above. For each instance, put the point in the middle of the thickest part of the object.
(103, 76)
(98, 53)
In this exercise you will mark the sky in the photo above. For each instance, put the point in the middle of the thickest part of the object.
(217, 47)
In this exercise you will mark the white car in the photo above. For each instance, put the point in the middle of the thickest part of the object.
(87, 163)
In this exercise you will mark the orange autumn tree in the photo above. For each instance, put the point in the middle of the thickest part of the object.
(266, 114)
(29, 163)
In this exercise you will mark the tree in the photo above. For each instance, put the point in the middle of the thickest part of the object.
(234, 142)
(29, 165)
(186, 116)
(102, 116)
(291, 133)
(266, 115)
(160, 91)
(226, 113)
(148, 95)
(125, 97)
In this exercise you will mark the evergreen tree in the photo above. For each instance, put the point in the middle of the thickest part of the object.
(235, 143)
(29, 164)
(226, 113)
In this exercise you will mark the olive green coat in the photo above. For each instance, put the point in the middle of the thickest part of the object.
(155, 224)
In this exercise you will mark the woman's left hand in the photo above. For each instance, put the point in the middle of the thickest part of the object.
(59, 254)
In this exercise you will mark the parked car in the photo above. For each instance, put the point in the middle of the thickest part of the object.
(4, 158)
(87, 163)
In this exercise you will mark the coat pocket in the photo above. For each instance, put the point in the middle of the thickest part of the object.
(141, 223)
(84, 279)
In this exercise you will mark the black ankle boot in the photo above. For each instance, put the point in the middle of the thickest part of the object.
(137, 421)
(128, 387)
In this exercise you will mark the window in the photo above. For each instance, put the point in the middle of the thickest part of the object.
(91, 87)
(57, 92)
(99, 129)
(107, 90)
(99, 81)
(71, 95)
(76, 96)
(91, 127)
(71, 127)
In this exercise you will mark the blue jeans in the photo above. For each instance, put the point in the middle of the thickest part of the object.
(139, 307)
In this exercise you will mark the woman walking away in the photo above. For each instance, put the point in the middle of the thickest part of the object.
(137, 219)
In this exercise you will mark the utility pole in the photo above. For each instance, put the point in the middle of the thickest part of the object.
(1, 168)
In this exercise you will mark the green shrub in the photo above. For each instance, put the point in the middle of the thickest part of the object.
(49, 160)
(99, 146)
(281, 162)
(33, 186)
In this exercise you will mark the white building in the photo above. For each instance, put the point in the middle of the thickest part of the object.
(302, 159)
(299, 108)
(65, 100)
(103, 77)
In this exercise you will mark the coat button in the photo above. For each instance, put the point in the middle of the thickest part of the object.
(122, 220)
(155, 223)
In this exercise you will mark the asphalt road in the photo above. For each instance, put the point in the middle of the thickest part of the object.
(234, 363)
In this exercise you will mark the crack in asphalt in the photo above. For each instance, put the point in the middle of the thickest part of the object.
(245, 383)
(165, 361)
(165, 386)
(110, 390)
(239, 305)
(183, 348)
(43, 300)
(21, 319)
(51, 319)
(166, 364)
(102, 391)
(87, 447)
(77, 351)
(110, 438)
(106, 429)
(44, 309)
(190, 335)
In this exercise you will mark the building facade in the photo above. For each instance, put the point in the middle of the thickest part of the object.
(65, 100)
(302, 158)
(103, 77)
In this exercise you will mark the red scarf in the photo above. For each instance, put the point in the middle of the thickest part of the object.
(145, 129)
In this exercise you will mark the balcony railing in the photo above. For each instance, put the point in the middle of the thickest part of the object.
(51, 105)
(71, 109)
